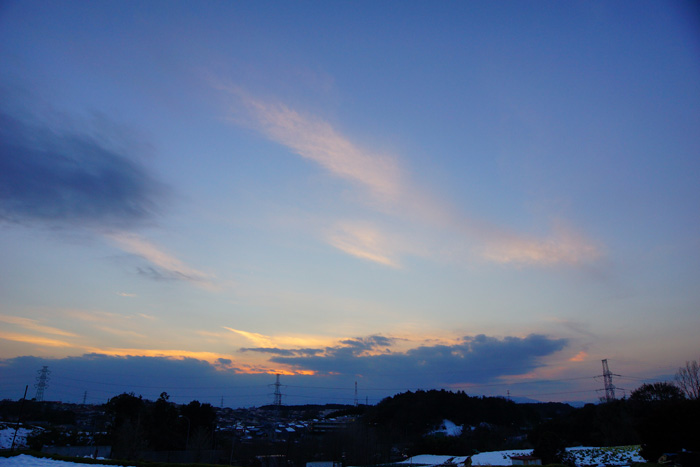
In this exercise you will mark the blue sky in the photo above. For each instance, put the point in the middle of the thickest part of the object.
(196, 196)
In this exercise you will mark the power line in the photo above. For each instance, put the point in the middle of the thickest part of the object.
(161, 386)
(337, 388)
(554, 393)
(215, 392)
(471, 385)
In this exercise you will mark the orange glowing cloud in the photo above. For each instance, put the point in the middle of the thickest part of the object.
(210, 357)
(36, 340)
(579, 357)
(257, 339)
(168, 353)
(563, 247)
(262, 340)
(363, 241)
(34, 325)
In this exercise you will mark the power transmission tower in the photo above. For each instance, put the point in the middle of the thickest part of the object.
(42, 382)
(278, 393)
(84, 397)
(356, 403)
(607, 381)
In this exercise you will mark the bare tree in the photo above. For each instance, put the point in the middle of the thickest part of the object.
(688, 379)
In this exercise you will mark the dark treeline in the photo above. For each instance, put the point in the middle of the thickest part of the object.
(128, 423)
(489, 423)
(423, 409)
(658, 416)
(31, 410)
(135, 425)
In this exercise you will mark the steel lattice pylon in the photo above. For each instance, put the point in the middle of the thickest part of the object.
(607, 380)
(42, 382)
(278, 393)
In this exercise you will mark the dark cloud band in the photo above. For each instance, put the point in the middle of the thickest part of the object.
(475, 359)
(283, 352)
(69, 178)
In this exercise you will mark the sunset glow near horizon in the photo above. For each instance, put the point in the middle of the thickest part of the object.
(479, 196)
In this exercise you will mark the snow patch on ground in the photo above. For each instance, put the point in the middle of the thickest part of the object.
(448, 428)
(24, 460)
(498, 457)
(618, 455)
(7, 432)
(430, 459)
(615, 455)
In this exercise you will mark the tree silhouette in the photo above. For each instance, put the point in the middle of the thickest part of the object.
(656, 392)
(688, 379)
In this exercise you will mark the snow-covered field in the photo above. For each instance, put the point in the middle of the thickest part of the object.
(7, 432)
(24, 460)
(615, 455)
(618, 455)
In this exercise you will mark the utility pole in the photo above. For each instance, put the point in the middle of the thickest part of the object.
(42, 382)
(356, 403)
(19, 418)
(84, 397)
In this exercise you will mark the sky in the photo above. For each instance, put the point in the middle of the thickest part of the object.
(197, 196)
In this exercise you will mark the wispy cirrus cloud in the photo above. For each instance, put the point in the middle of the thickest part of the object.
(127, 333)
(93, 316)
(163, 265)
(563, 246)
(35, 340)
(382, 181)
(364, 240)
(258, 339)
(278, 341)
(317, 140)
(34, 325)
